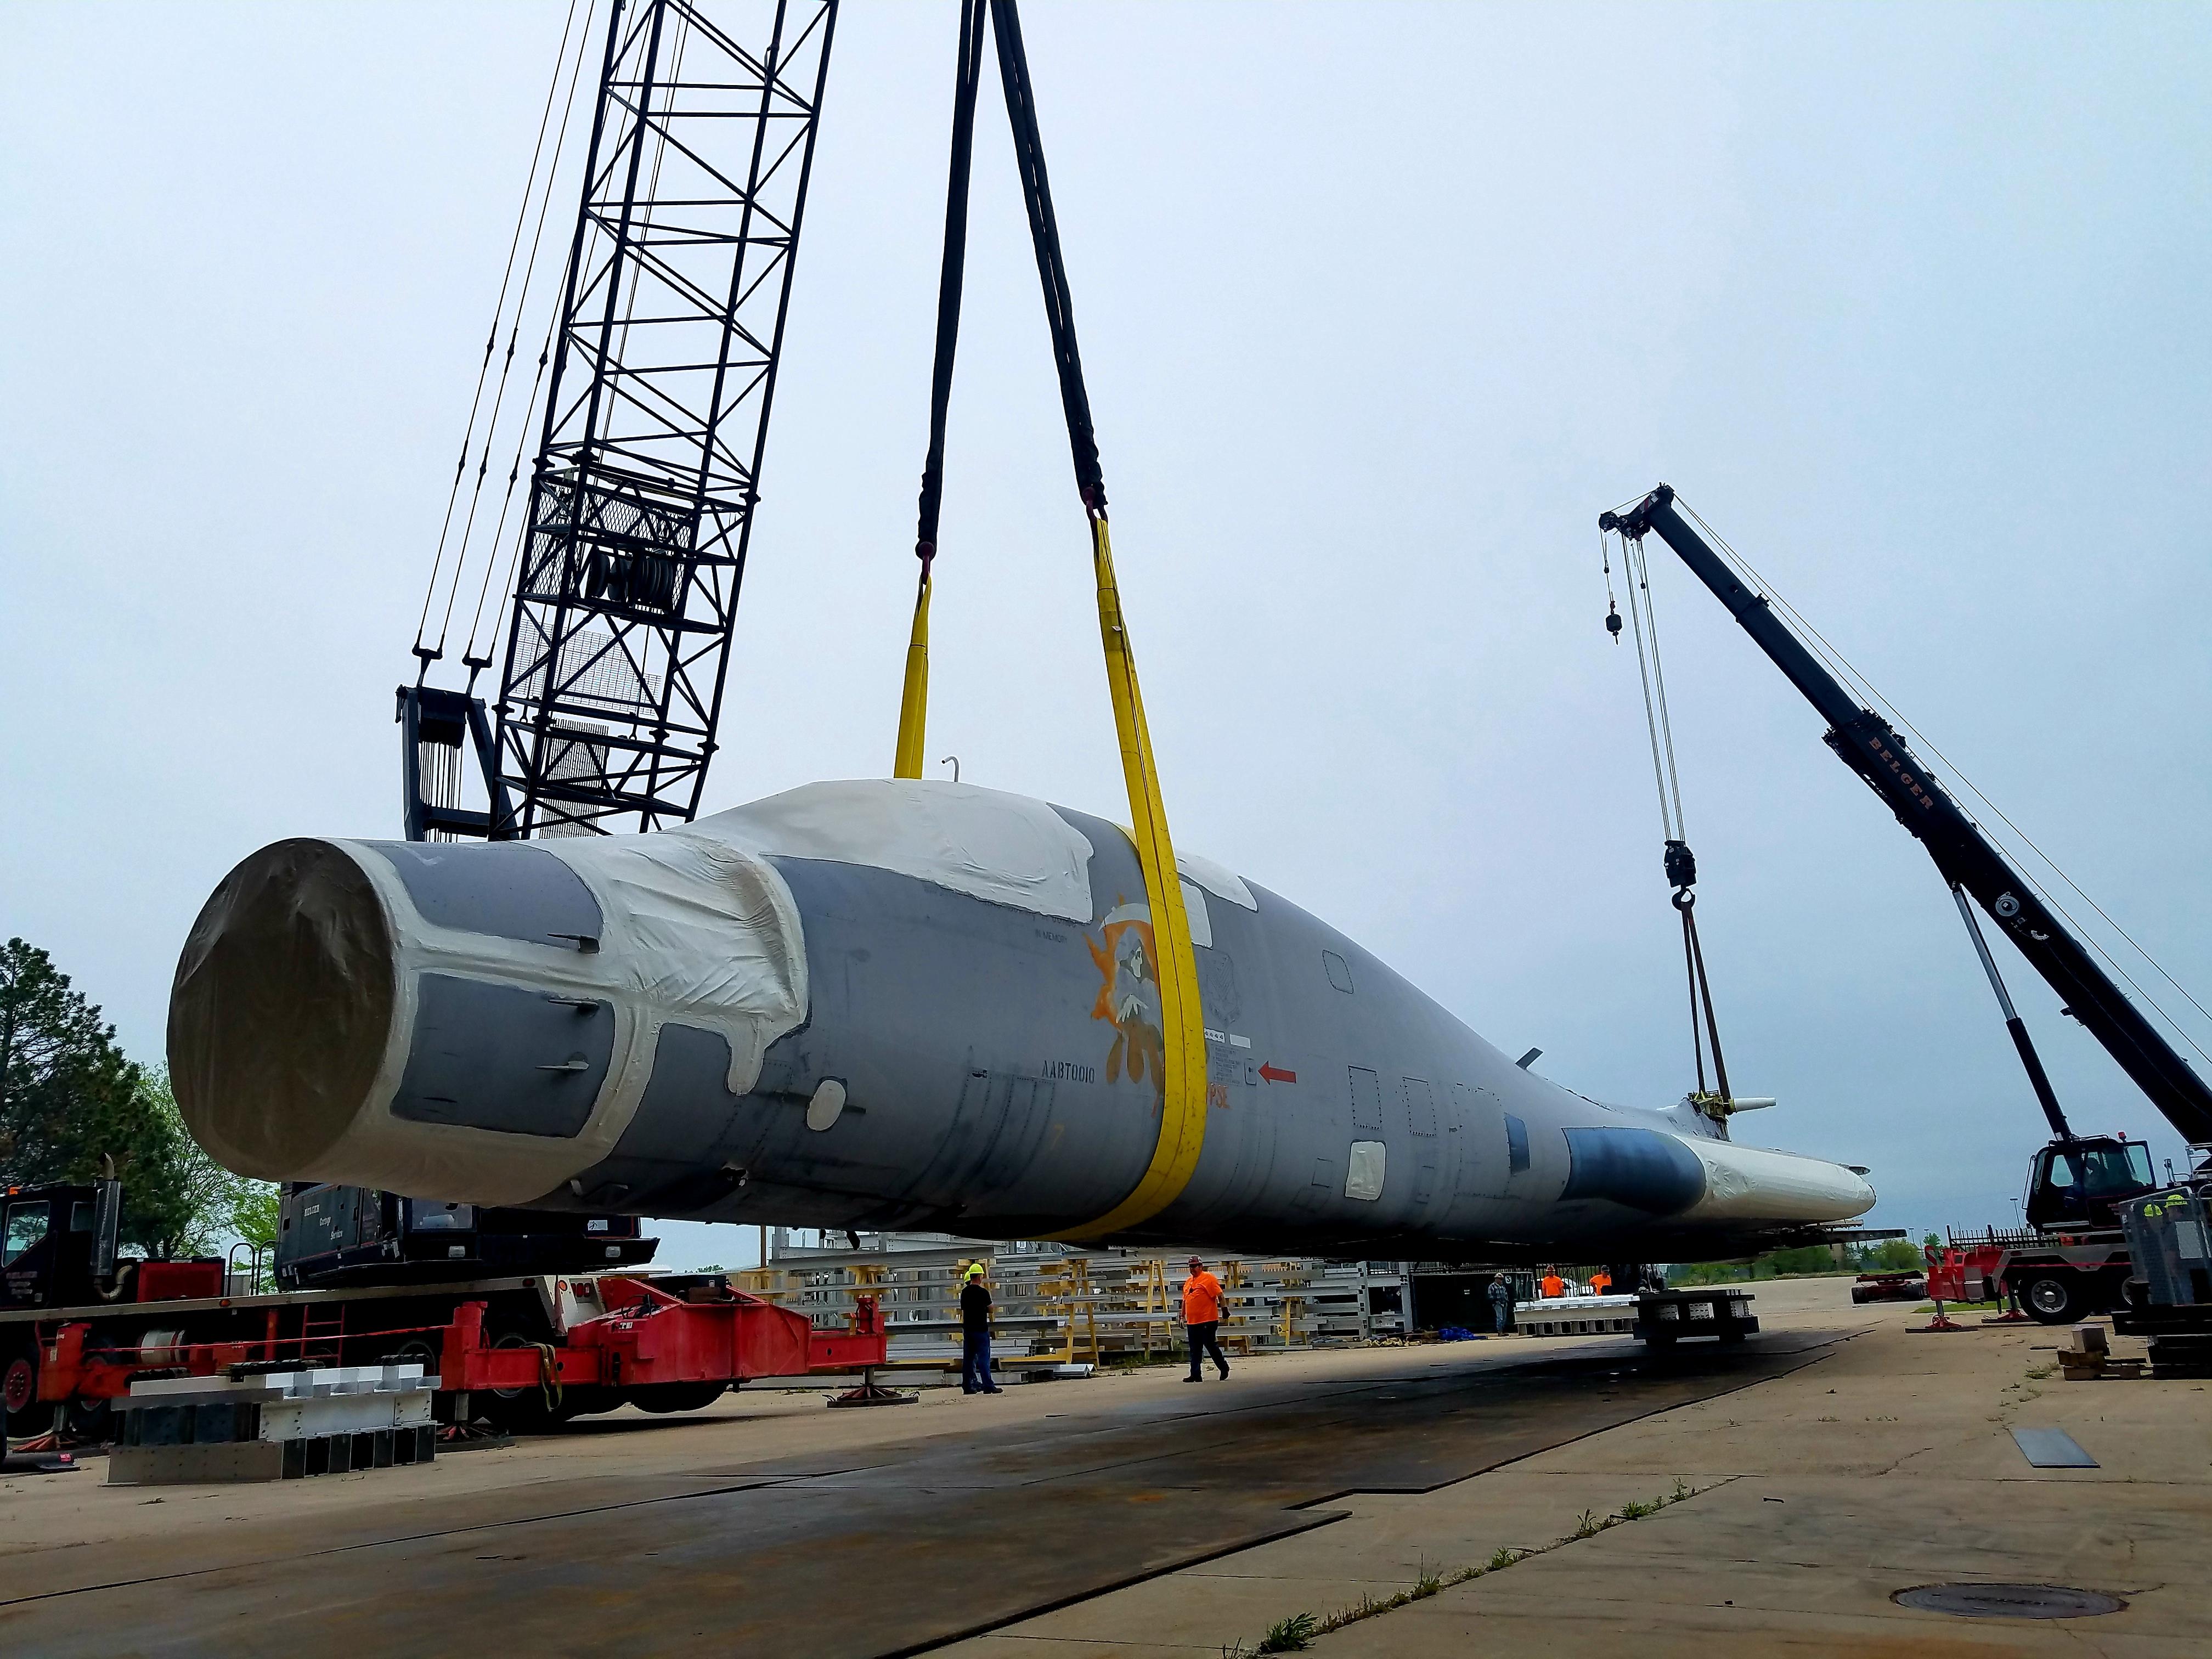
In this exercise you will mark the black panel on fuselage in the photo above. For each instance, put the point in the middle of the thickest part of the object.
(1638, 1168)
(681, 1151)
(507, 889)
(502, 1057)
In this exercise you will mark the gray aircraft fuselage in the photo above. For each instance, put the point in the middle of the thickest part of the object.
(513, 1022)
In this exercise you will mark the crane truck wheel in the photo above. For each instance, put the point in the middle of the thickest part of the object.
(2055, 1298)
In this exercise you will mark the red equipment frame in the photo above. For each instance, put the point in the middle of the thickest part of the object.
(652, 1337)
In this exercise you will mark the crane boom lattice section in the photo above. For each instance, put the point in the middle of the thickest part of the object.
(664, 364)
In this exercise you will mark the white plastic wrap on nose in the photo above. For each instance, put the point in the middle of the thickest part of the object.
(696, 931)
(1749, 1184)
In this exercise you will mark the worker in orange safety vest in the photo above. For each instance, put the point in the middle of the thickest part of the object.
(1601, 1282)
(1551, 1284)
(1201, 1318)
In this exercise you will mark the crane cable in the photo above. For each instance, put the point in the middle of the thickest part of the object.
(1182, 1065)
(469, 654)
(914, 700)
(1680, 863)
(427, 655)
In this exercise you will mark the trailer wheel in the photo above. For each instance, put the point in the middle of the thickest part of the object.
(91, 1422)
(676, 1396)
(19, 1386)
(414, 1350)
(2055, 1298)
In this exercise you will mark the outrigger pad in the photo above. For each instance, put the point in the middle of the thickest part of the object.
(872, 1393)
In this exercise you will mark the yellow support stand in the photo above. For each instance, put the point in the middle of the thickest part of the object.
(1063, 1290)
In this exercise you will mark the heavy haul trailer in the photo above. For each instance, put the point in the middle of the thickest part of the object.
(522, 1352)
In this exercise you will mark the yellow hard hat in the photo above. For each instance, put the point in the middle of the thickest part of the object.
(974, 1270)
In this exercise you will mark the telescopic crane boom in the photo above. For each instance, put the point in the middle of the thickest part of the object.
(1967, 859)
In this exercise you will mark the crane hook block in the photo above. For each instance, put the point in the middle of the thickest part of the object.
(1613, 620)
(1681, 864)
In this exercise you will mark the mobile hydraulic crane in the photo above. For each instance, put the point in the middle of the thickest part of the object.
(2072, 1259)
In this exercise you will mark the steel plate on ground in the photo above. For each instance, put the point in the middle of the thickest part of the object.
(2052, 1449)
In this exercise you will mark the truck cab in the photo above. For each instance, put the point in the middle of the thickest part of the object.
(58, 1244)
(2078, 1183)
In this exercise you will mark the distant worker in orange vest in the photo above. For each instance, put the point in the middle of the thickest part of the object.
(1201, 1318)
(1551, 1284)
(1601, 1282)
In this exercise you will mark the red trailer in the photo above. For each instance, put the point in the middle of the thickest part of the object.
(521, 1353)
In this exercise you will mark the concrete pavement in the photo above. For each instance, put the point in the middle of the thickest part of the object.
(1814, 1498)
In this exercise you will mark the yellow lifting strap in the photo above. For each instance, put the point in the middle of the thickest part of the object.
(1183, 1066)
(1182, 1027)
(914, 701)
(1182, 1102)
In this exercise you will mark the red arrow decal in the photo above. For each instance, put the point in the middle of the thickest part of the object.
(1274, 1076)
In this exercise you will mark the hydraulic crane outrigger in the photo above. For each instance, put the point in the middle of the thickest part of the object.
(2105, 1170)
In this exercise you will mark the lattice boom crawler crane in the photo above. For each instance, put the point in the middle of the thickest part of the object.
(658, 371)
(658, 375)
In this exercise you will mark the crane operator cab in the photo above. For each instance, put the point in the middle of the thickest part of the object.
(2077, 1182)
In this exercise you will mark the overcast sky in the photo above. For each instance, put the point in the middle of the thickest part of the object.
(1380, 306)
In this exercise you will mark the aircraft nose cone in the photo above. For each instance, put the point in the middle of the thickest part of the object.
(282, 1009)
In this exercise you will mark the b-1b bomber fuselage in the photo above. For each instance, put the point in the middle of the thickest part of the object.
(905, 1005)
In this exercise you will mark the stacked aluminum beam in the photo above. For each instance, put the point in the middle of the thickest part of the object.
(253, 1424)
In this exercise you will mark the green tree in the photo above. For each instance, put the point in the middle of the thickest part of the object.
(1808, 1259)
(1890, 1256)
(65, 1085)
(200, 1203)
(1684, 1274)
(74, 1108)
(254, 1212)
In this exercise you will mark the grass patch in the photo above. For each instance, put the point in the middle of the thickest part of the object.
(1296, 1633)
